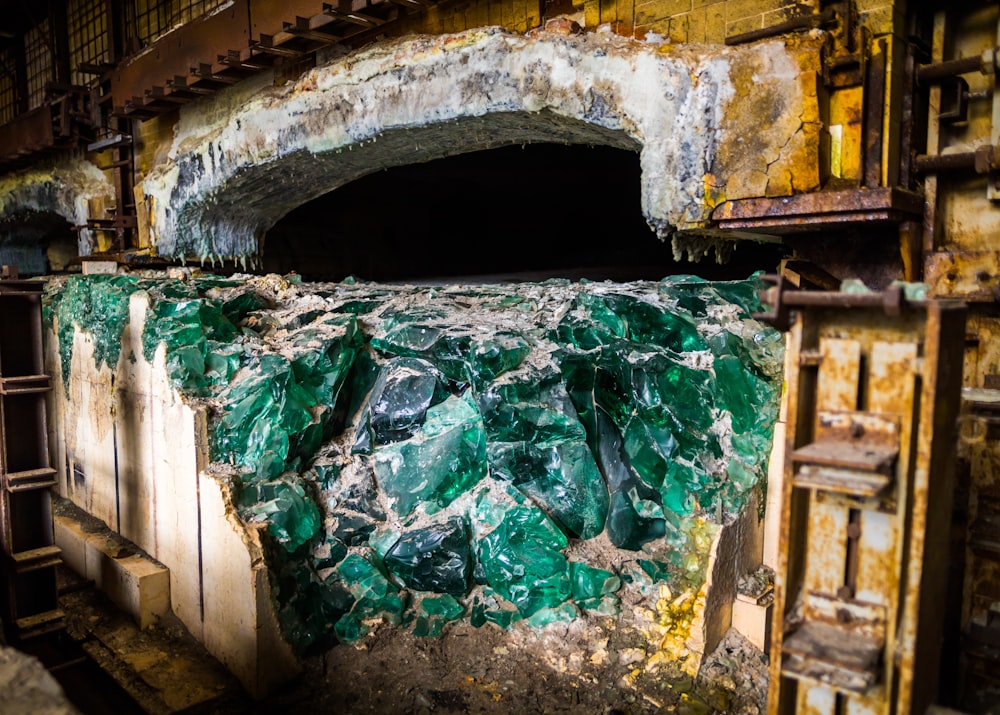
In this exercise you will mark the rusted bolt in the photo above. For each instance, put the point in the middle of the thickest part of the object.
(857, 430)
(844, 615)
(951, 276)
(983, 276)
(853, 531)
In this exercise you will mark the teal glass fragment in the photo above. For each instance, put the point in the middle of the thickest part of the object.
(489, 609)
(563, 613)
(630, 522)
(522, 560)
(651, 325)
(236, 308)
(374, 595)
(594, 589)
(435, 613)
(434, 558)
(443, 460)
(292, 518)
(656, 570)
(404, 390)
(97, 304)
(310, 604)
(543, 452)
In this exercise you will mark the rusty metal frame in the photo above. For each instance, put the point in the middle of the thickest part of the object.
(861, 577)
(819, 210)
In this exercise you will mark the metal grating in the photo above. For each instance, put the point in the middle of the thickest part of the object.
(150, 19)
(8, 87)
(88, 37)
(38, 60)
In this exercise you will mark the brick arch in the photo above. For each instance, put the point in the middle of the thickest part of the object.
(692, 114)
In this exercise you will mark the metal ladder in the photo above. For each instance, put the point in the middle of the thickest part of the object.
(874, 384)
(29, 600)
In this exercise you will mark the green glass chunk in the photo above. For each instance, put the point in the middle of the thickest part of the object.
(405, 389)
(522, 562)
(292, 517)
(435, 613)
(99, 305)
(236, 308)
(741, 392)
(492, 357)
(310, 604)
(563, 613)
(261, 412)
(590, 324)
(656, 570)
(630, 524)
(590, 582)
(374, 595)
(543, 452)
(651, 325)
(594, 589)
(445, 459)
(435, 558)
(489, 610)
(562, 478)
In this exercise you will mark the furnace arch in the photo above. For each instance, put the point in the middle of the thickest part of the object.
(232, 175)
(39, 205)
(37, 242)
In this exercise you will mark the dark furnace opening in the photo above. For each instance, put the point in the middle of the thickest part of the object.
(527, 212)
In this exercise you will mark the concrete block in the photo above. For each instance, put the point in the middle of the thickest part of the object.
(135, 583)
(99, 267)
(70, 537)
(753, 621)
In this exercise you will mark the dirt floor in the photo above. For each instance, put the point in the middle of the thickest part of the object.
(490, 671)
(467, 670)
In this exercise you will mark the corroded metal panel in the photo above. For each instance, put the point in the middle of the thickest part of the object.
(899, 363)
(27, 132)
(969, 275)
(267, 16)
(177, 52)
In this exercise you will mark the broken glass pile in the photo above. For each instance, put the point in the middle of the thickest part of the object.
(423, 455)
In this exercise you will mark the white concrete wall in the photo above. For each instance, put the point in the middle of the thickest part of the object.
(130, 451)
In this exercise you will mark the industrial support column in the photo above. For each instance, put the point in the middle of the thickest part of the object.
(30, 557)
(874, 389)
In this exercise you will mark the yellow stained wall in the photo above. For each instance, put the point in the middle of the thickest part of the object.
(709, 21)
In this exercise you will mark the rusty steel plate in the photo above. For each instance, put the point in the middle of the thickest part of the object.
(968, 275)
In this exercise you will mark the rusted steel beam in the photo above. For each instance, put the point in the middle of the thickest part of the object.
(985, 63)
(32, 129)
(176, 52)
(807, 212)
(803, 22)
(358, 18)
(982, 161)
(267, 44)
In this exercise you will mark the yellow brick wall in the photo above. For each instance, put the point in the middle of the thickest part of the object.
(710, 21)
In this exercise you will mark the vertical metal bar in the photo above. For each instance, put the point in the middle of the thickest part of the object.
(993, 183)
(60, 41)
(874, 113)
(931, 218)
